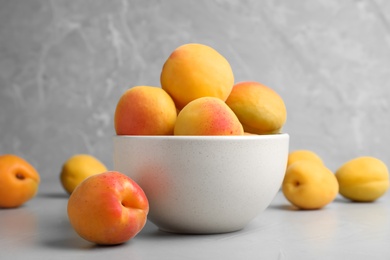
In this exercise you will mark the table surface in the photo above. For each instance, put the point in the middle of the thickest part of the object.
(342, 230)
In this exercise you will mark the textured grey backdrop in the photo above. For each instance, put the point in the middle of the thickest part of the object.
(64, 65)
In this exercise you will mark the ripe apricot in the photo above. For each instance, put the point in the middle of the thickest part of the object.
(195, 70)
(108, 208)
(207, 116)
(309, 185)
(363, 179)
(259, 108)
(145, 110)
(19, 181)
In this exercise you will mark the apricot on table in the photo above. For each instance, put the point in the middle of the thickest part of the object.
(19, 181)
(108, 208)
(145, 110)
(77, 168)
(195, 70)
(259, 108)
(207, 116)
(363, 179)
(309, 185)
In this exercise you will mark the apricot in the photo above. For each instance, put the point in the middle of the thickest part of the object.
(299, 155)
(363, 179)
(259, 108)
(195, 70)
(108, 208)
(19, 181)
(77, 168)
(309, 185)
(207, 116)
(145, 110)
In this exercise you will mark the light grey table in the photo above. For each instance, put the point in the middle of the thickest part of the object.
(342, 230)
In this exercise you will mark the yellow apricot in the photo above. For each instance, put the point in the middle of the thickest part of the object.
(77, 168)
(207, 116)
(195, 70)
(259, 108)
(299, 155)
(309, 185)
(363, 179)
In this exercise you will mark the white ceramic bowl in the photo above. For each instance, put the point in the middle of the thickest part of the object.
(204, 184)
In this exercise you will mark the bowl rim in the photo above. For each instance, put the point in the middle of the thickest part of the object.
(205, 137)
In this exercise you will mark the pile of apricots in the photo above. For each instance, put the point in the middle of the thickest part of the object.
(198, 97)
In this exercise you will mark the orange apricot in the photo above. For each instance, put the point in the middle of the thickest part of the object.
(145, 110)
(19, 181)
(196, 70)
(259, 108)
(207, 116)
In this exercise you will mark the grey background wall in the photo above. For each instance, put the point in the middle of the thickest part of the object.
(64, 65)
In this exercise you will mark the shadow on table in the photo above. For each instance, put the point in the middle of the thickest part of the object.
(68, 242)
(53, 195)
(60, 235)
(150, 231)
(287, 207)
(347, 201)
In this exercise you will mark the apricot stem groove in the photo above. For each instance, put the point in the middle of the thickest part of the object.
(20, 176)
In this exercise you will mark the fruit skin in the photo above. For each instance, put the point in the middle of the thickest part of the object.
(259, 108)
(145, 110)
(195, 70)
(363, 179)
(77, 168)
(309, 185)
(19, 181)
(108, 208)
(298, 155)
(207, 116)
